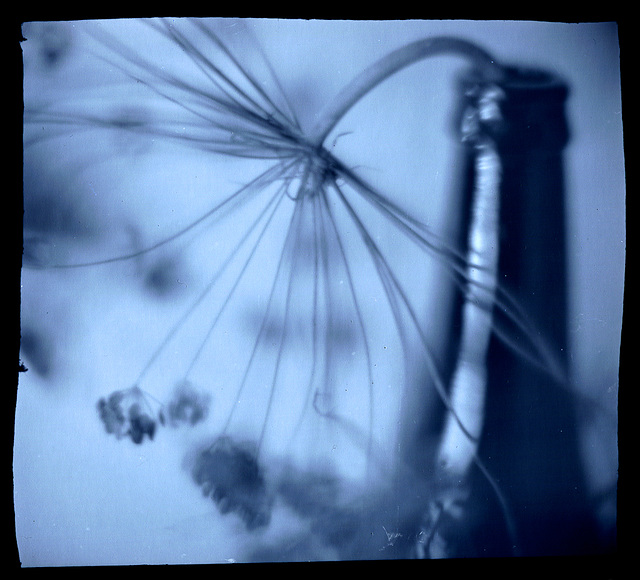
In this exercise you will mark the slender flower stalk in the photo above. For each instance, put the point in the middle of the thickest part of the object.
(389, 65)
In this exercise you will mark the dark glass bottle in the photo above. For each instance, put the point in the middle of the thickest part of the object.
(529, 442)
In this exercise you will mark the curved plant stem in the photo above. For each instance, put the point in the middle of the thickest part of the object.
(393, 63)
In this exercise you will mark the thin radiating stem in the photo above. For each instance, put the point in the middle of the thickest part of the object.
(289, 121)
(252, 187)
(294, 256)
(457, 265)
(393, 290)
(265, 317)
(392, 287)
(359, 316)
(207, 289)
(311, 389)
(275, 201)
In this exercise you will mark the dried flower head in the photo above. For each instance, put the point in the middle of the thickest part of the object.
(229, 473)
(187, 406)
(122, 414)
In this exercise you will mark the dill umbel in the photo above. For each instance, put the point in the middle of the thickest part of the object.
(220, 108)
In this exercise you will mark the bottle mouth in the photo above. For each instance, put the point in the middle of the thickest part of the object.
(522, 81)
(532, 109)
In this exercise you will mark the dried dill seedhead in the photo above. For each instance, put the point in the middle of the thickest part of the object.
(229, 473)
(123, 416)
(187, 406)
